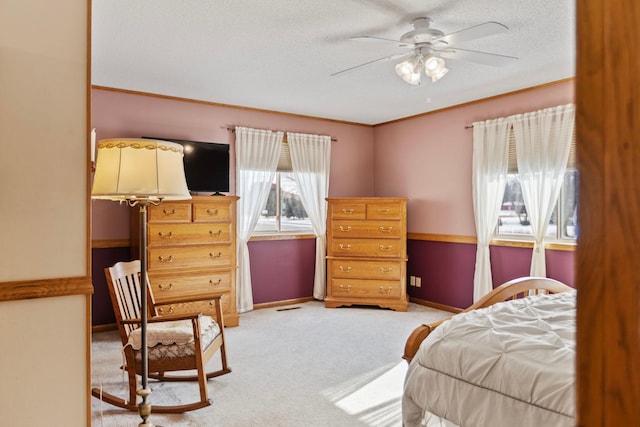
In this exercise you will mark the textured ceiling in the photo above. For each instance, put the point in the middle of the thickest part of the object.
(279, 54)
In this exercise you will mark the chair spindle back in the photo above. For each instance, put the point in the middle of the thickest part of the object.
(123, 280)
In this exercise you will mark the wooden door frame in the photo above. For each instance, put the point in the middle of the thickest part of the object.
(608, 253)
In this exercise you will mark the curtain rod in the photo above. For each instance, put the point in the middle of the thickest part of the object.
(284, 138)
(536, 111)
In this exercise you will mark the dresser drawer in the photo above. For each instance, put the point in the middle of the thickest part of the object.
(175, 257)
(204, 307)
(348, 210)
(169, 288)
(169, 212)
(375, 229)
(349, 268)
(384, 211)
(208, 212)
(366, 247)
(165, 234)
(358, 288)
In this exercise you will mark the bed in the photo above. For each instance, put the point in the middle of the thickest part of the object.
(507, 360)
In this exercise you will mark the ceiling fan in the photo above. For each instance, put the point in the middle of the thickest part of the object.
(429, 46)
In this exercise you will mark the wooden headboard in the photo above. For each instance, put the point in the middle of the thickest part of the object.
(516, 288)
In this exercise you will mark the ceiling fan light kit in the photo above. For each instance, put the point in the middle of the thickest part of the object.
(410, 69)
(428, 44)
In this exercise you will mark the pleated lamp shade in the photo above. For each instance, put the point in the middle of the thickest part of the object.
(130, 169)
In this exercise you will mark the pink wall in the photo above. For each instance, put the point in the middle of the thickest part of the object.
(428, 158)
(119, 114)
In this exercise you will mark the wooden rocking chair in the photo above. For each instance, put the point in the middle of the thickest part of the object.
(184, 342)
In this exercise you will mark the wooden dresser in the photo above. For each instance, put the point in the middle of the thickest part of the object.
(191, 249)
(367, 252)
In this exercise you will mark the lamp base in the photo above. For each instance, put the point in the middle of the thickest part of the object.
(144, 407)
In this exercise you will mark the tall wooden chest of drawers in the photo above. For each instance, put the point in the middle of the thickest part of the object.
(367, 252)
(191, 250)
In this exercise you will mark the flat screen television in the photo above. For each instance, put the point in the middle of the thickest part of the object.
(206, 165)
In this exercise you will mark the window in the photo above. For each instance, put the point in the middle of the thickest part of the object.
(284, 212)
(513, 220)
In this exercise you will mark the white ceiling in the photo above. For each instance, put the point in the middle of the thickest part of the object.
(279, 54)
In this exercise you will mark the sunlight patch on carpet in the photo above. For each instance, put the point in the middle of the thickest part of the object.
(375, 397)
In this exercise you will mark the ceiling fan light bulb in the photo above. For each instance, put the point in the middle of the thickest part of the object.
(434, 67)
(412, 78)
(409, 71)
(404, 68)
(432, 63)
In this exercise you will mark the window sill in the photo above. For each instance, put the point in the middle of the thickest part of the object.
(280, 236)
(471, 240)
(554, 246)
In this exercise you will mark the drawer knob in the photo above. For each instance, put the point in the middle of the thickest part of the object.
(212, 211)
(386, 269)
(165, 287)
(212, 283)
(386, 248)
(347, 211)
(345, 288)
(215, 233)
(168, 213)
(386, 291)
(166, 260)
(161, 310)
(169, 235)
(386, 229)
(345, 229)
(345, 269)
(345, 247)
(218, 255)
(383, 211)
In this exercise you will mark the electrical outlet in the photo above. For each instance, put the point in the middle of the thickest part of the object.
(412, 280)
(418, 282)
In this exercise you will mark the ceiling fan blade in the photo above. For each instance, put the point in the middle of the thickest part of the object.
(386, 58)
(486, 58)
(381, 39)
(477, 31)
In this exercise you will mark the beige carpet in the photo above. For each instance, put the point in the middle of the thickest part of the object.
(309, 366)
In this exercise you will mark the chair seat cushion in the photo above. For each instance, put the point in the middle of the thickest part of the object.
(174, 338)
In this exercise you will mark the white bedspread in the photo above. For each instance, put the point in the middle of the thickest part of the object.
(510, 364)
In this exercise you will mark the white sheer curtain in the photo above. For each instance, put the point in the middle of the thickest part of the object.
(543, 142)
(489, 177)
(310, 158)
(257, 153)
